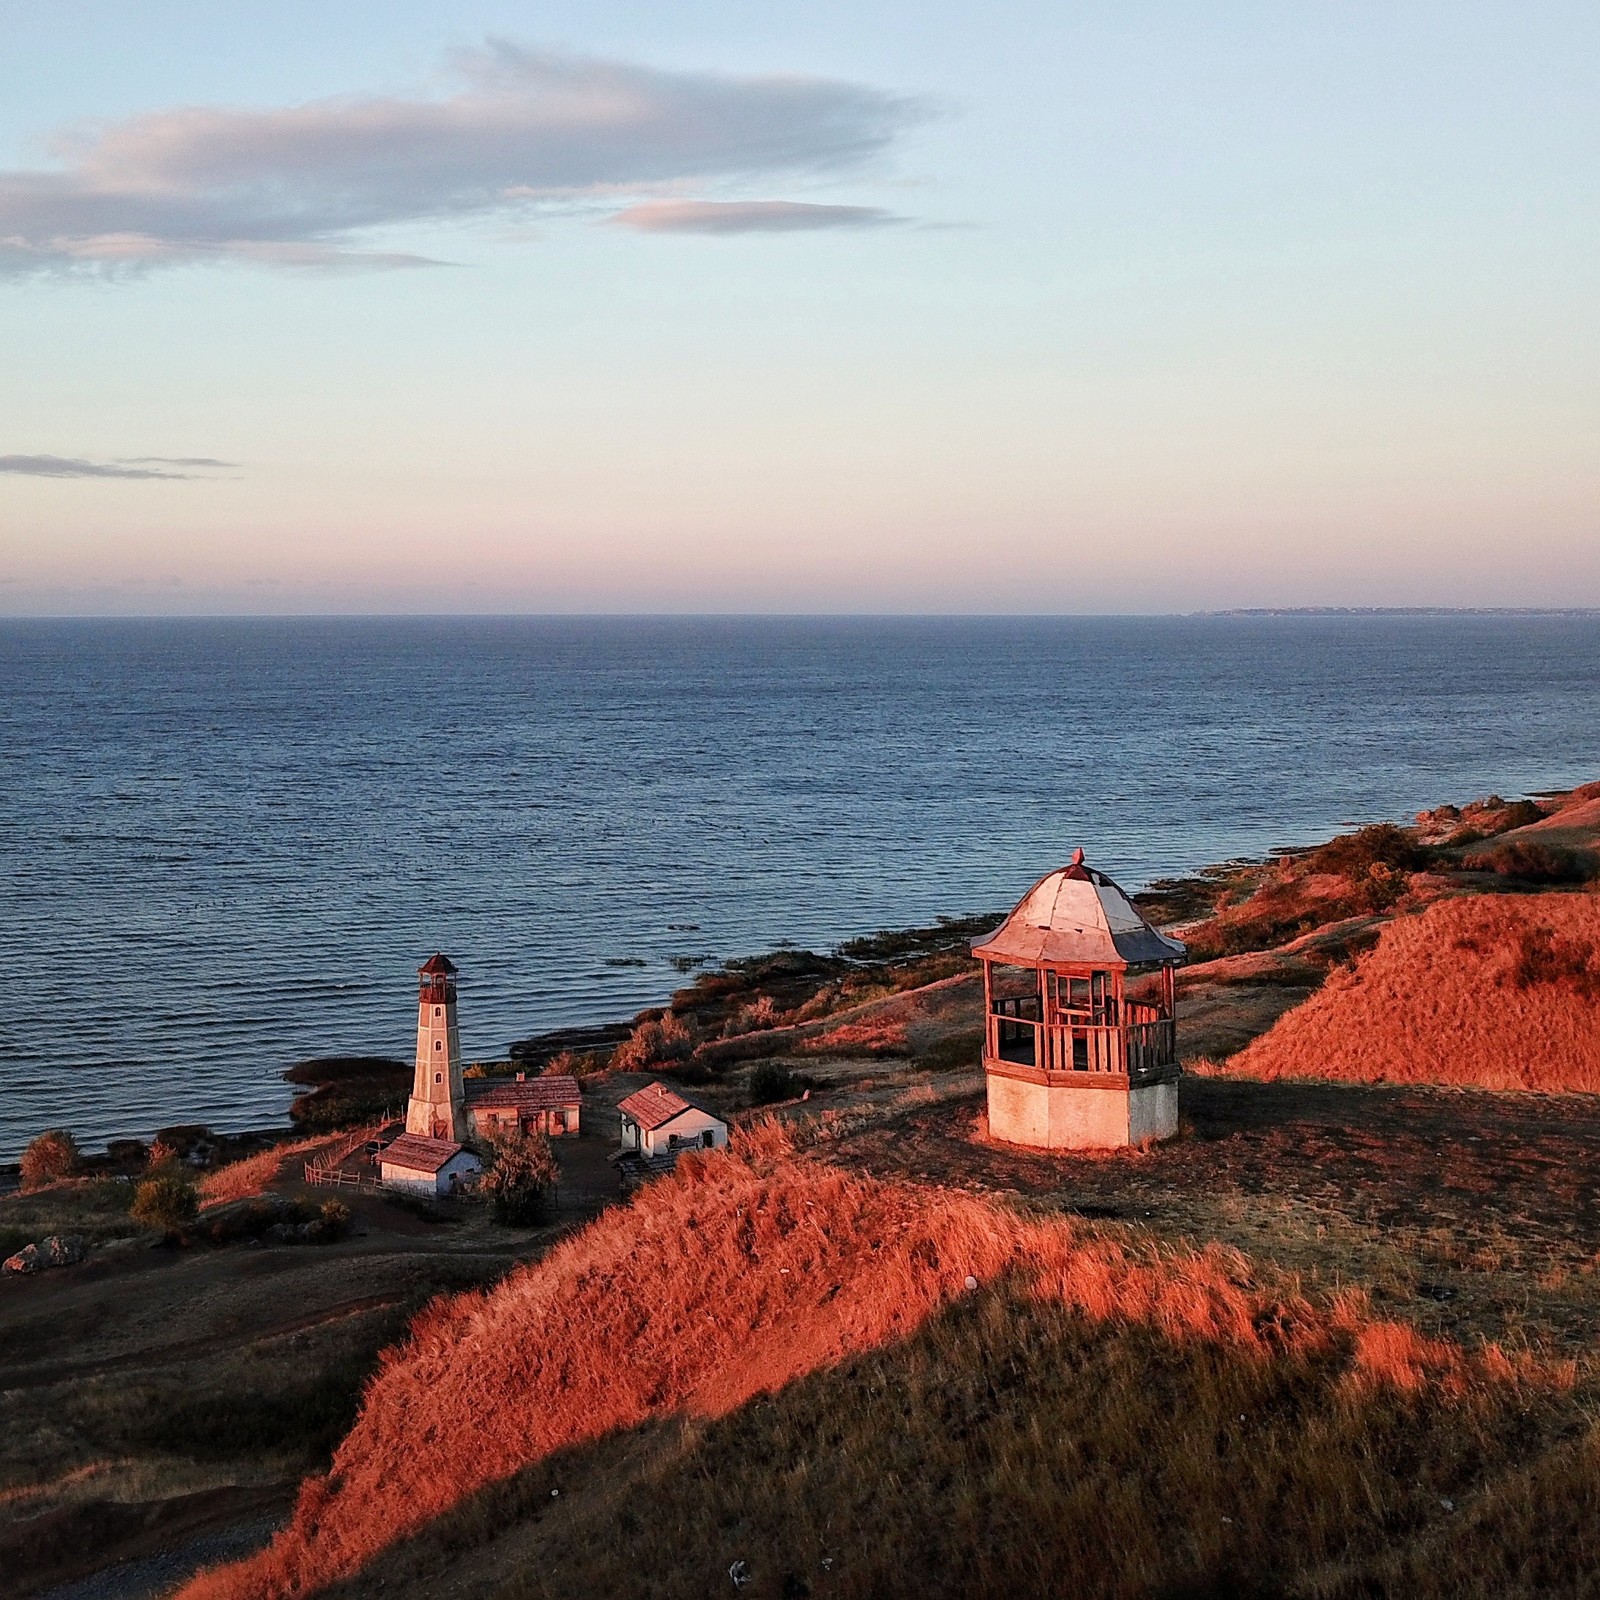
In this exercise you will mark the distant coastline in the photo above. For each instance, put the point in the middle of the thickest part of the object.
(1402, 611)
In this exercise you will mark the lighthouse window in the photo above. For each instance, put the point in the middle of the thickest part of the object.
(438, 1011)
(438, 1044)
(438, 1077)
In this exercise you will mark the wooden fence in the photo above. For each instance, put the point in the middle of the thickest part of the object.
(327, 1170)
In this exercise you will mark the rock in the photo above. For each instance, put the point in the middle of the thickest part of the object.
(63, 1249)
(58, 1250)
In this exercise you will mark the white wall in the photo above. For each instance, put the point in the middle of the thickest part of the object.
(688, 1128)
(1079, 1117)
(463, 1168)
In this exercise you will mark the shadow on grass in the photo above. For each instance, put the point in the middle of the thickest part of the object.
(1016, 1447)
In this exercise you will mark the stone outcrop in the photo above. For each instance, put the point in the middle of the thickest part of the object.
(58, 1250)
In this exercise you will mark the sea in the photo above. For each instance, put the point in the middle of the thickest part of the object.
(226, 845)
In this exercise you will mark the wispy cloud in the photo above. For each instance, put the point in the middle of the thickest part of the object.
(304, 186)
(77, 467)
(746, 216)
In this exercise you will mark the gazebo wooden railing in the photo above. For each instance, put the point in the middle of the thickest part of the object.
(1145, 1040)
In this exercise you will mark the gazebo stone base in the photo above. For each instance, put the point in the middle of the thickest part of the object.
(1078, 1111)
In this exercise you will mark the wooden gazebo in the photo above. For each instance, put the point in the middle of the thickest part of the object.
(1080, 1047)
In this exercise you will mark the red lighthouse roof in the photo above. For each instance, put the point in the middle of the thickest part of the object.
(438, 965)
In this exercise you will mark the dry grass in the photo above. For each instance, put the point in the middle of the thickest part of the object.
(1494, 991)
(96, 1208)
(243, 1180)
(751, 1271)
(874, 1036)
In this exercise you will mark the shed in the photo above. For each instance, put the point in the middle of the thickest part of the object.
(416, 1164)
(551, 1105)
(657, 1122)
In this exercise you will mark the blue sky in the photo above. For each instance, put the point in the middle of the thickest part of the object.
(927, 307)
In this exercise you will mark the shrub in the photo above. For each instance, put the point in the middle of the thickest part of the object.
(1542, 957)
(1354, 855)
(657, 1040)
(165, 1202)
(522, 1177)
(127, 1153)
(1519, 814)
(51, 1157)
(754, 1018)
(333, 1220)
(163, 1155)
(345, 1091)
(1532, 862)
(183, 1137)
(771, 1082)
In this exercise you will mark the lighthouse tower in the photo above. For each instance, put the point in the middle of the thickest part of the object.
(438, 1108)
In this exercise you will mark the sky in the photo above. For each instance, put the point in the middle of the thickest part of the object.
(879, 307)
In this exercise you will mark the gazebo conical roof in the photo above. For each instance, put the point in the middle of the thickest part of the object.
(1076, 916)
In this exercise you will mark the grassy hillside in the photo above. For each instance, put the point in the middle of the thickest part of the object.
(1492, 991)
(770, 1360)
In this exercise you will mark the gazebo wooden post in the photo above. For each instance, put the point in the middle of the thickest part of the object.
(991, 1029)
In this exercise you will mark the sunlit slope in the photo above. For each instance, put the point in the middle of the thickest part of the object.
(1089, 1391)
(1496, 991)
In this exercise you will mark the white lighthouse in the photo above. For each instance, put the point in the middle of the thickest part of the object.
(438, 1108)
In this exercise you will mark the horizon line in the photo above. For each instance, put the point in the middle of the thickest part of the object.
(797, 616)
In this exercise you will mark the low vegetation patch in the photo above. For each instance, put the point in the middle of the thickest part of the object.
(252, 1175)
(345, 1091)
(48, 1159)
(772, 1082)
(1531, 861)
(663, 1040)
(521, 1178)
(165, 1202)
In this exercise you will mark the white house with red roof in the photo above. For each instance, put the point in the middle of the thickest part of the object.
(656, 1121)
(417, 1164)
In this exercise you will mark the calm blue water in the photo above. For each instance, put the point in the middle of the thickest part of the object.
(225, 846)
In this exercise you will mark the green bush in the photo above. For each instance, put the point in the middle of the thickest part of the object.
(1354, 855)
(1532, 862)
(771, 1082)
(51, 1157)
(166, 1202)
(521, 1179)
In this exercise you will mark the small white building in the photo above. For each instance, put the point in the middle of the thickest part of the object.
(415, 1164)
(657, 1122)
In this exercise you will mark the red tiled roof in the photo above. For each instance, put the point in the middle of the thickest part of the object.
(418, 1153)
(533, 1094)
(438, 965)
(655, 1105)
